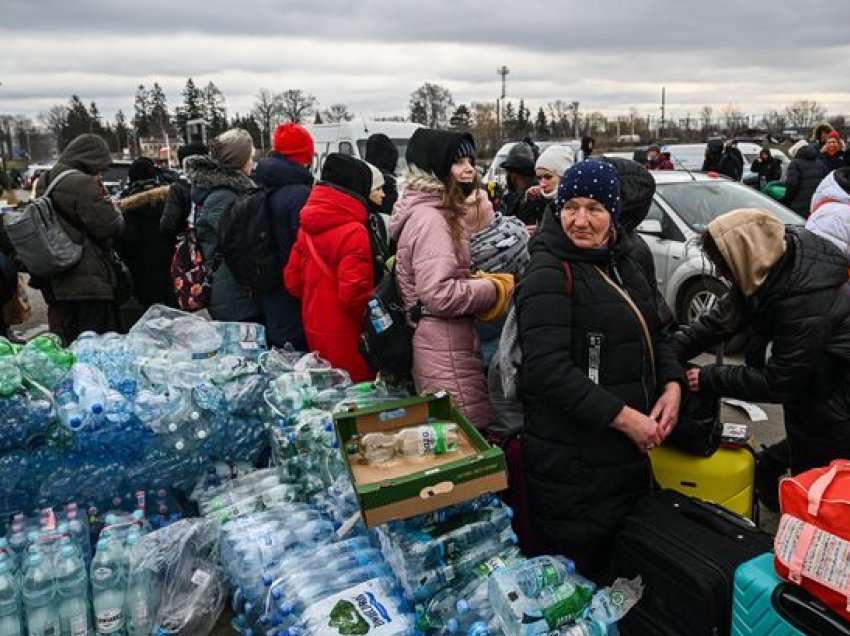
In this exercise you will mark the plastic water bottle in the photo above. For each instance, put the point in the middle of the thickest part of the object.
(428, 439)
(78, 528)
(72, 587)
(583, 627)
(10, 603)
(541, 572)
(611, 604)
(139, 603)
(108, 588)
(91, 387)
(38, 592)
(44, 361)
(381, 320)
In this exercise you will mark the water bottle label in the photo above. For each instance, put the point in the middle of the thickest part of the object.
(432, 439)
(109, 620)
(362, 609)
(489, 566)
(101, 574)
(79, 625)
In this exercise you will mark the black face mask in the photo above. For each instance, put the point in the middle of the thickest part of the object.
(467, 187)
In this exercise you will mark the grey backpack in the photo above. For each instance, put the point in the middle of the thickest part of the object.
(40, 240)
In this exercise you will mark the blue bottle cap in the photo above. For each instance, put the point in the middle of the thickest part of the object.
(462, 606)
(97, 408)
(478, 628)
(277, 594)
(267, 580)
(452, 626)
(285, 608)
(35, 558)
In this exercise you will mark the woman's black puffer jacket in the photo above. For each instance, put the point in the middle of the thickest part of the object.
(803, 309)
(584, 475)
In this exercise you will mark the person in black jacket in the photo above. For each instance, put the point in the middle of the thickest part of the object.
(805, 172)
(145, 250)
(519, 166)
(767, 167)
(713, 154)
(286, 173)
(600, 382)
(178, 206)
(382, 153)
(731, 163)
(791, 287)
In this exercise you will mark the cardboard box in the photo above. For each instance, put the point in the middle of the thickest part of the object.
(405, 489)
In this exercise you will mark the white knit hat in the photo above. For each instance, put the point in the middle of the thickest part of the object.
(556, 158)
(793, 150)
(377, 176)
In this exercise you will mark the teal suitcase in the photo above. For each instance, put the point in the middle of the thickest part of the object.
(753, 613)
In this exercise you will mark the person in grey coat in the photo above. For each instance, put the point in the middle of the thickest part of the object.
(217, 181)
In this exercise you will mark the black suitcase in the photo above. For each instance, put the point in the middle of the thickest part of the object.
(686, 552)
(806, 613)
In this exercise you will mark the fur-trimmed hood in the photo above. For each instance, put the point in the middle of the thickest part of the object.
(205, 174)
(151, 196)
(418, 189)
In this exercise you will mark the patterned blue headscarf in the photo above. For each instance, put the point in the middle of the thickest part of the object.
(594, 180)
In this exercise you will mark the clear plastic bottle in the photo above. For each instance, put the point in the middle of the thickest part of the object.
(91, 387)
(10, 603)
(108, 588)
(428, 439)
(140, 608)
(38, 587)
(72, 588)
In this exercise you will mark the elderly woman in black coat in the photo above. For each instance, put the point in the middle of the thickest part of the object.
(600, 381)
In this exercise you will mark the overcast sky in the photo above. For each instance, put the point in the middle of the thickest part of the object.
(608, 55)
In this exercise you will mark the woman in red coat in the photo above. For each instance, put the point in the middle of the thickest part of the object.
(330, 268)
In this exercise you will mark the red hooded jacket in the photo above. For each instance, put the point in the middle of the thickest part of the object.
(333, 302)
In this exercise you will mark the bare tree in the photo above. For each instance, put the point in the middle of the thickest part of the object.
(55, 120)
(296, 105)
(485, 129)
(267, 111)
(733, 118)
(804, 113)
(560, 113)
(774, 121)
(706, 114)
(337, 113)
(430, 104)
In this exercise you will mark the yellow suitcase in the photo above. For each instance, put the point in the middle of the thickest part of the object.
(726, 478)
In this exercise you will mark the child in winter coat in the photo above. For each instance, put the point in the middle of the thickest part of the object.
(330, 269)
(432, 266)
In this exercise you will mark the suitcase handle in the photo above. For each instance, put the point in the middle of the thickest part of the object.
(716, 518)
(818, 488)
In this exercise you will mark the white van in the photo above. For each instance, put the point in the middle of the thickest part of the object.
(349, 138)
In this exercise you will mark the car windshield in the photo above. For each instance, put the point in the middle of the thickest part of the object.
(700, 202)
(401, 144)
(687, 157)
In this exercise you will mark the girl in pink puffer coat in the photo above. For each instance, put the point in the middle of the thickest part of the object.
(432, 267)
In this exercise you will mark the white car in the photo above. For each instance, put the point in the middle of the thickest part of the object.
(495, 173)
(691, 156)
(684, 204)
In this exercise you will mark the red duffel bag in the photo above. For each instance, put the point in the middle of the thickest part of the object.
(812, 546)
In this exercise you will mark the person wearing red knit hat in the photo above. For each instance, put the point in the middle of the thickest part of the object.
(294, 142)
(832, 153)
(285, 172)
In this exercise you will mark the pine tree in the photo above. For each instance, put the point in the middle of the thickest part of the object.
(79, 120)
(141, 112)
(121, 132)
(461, 118)
(159, 120)
(541, 125)
(192, 108)
(215, 110)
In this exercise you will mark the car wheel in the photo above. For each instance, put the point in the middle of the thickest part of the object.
(700, 297)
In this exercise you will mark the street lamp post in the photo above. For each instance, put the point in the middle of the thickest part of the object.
(504, 71)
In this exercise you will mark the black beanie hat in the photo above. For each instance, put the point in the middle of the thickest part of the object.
(142, 169)
(435, 151)
(637, 186)
(188, 150)
(520, 160)
(382, 153)
(348, 173)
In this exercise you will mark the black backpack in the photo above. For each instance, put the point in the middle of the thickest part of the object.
(386, 342)
(247, 244)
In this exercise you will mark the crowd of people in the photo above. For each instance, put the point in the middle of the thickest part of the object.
(552, 292)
